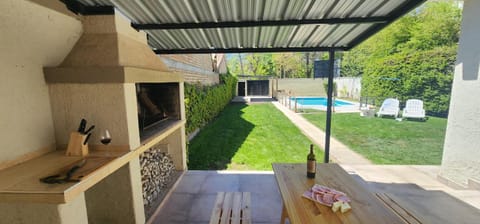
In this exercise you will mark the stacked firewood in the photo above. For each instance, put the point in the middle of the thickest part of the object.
(156, 169)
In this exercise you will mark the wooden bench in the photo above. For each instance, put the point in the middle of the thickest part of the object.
(231, 208)
(399, 210)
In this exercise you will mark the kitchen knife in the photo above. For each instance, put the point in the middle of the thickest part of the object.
(81, 128)
(86, 139)
(89, 129)
(75, 168)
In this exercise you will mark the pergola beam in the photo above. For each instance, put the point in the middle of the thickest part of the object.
(211, 25)
(247, 50)
(79, 8)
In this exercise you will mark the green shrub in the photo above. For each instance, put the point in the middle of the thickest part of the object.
(203, 103)
(325, 87)
(425, 75)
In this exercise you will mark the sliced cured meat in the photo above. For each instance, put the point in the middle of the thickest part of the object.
(325, 195)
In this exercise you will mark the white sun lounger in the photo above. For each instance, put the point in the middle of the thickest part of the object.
(414, 109)
(390, 107)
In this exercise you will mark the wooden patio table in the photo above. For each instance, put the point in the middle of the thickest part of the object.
(292, 182)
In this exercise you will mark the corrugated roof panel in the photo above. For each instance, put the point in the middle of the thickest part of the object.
(155, 42)
(388, 7)
(312, 39)
(192, 16)
(321, 33)
(262, 37)
(200, 11)
(295, 9)
(133, 11)
(198, 37)
(366, 8)
(283, 36)
(352, 34)
(243, 36)
(165, 38)
(303, 32)
(214, 38)
(339, 34)
(231, 37)
(274, 9)
(267, 37)
(165, 11)
(250, 36)
(248, 10)
(319, 9)
(343, 8)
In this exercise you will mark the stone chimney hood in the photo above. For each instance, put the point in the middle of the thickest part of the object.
(110, 51)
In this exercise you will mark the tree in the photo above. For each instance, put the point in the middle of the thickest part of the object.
(233, 65)
(260, 64)
(291, 65)
(412, 58)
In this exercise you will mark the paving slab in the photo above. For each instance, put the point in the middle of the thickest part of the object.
(339, 152)
(195, 206)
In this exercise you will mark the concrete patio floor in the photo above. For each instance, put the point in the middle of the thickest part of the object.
(193, 198)
(416, 188)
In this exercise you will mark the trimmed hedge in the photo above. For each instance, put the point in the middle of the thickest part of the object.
(425, 75)
(203, 103)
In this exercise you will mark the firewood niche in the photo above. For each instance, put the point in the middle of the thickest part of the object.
(158, 176)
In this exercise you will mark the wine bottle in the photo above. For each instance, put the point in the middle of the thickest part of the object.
(311, 163)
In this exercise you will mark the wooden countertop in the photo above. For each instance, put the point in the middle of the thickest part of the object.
(292, 182)
(21, 183)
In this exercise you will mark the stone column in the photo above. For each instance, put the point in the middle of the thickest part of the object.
(461, 155)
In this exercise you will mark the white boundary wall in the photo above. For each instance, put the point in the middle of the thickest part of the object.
(346, 86)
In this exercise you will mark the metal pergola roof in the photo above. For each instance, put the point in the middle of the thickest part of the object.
(228, 26)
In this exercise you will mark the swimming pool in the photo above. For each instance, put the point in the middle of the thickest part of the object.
(319, 101)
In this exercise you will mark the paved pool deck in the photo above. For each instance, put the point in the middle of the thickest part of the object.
(339, 152)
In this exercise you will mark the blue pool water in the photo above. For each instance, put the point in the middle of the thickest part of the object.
(319, 101)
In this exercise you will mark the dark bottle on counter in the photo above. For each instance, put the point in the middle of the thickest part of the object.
(311, 163)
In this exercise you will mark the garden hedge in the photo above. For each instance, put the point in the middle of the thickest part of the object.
(203, 103)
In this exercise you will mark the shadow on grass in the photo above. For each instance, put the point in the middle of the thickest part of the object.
(214, 147)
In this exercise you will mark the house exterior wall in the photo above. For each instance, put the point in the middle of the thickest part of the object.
(461, 155)
(203, 61)
(32, 37)
(197, 68)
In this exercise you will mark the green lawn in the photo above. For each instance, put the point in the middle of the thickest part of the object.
(248, 137)
(386, 141)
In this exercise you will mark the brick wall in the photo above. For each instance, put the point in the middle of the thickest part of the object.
(203, 61)
(197, 68)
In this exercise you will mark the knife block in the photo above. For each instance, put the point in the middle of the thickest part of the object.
(76, 146)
